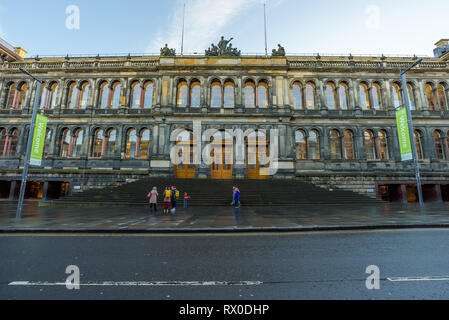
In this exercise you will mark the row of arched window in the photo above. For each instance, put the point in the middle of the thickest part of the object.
(376, 145)
(370, 96)
(222, 95)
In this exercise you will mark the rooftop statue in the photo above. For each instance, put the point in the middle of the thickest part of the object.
(224, 48)
(280, 52)
(167, 52)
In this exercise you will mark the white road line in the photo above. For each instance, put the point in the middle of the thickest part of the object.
(410, 279)
(137, 284)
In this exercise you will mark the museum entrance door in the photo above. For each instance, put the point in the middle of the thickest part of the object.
(257, 149)
(185, 148)
(222, 156)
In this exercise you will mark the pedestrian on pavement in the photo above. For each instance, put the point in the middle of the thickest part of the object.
(174, 198)
(153, 199)
(167, 196)
(235, 197)
(186, 197)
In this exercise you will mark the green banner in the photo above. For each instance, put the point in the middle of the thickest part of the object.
(404, 135)
(37, 147)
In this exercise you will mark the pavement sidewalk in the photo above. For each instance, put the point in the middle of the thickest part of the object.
(221, 219)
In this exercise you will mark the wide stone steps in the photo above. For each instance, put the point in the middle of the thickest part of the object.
(219, 193)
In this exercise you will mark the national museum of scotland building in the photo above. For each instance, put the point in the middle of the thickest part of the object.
(116, 119)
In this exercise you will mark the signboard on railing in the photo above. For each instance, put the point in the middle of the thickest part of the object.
(37, 147)
(404, 134)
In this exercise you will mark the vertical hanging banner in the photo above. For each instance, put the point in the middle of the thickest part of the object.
(404, 135)
(37, 147)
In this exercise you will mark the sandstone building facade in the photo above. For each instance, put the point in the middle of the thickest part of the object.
(111, 120)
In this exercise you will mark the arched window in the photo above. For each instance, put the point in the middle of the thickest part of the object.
(249, 94)
(23, 90)
(364, 96)
(111, 139)
(301, 145)
(262, 94)
(11, 95)
(297, 96)
(131, 144)
(3, 141)
(313, 143)
(377, 96)
(78, 141)
(104, 95)
(439, 148)
(43, 97)
(343, 96)
(382, 146)
(97, 149)
(182, 94)
(116, 95)
(48, 136)
(418, 142)
(215, 94)
(136, 95)
(13, 139)
(331, 96)
(411, 95)
(310, 95)
(370, 147)
(148, 94)
(195, 94)
(335, 142)
(229, 96)
(53, 95)
(144, 145)
(66, 141)
(84, 95)
(396, 95)
(348, 145)
(72, 94)
(430, 97)
(442, 101)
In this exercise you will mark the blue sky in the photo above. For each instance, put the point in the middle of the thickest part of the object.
(143, 26)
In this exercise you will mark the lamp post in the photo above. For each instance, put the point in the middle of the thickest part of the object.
(412, 130)
(29, 144)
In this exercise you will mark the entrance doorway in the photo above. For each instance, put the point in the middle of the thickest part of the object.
(222, 156)
(257, 149)
(186, 156)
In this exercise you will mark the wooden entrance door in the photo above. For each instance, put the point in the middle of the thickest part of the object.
(186, 156)
(222, 157)
(257, 146)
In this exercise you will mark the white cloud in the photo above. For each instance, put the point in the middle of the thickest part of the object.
(204, 21)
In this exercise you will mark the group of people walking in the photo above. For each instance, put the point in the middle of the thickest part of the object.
(171, 196)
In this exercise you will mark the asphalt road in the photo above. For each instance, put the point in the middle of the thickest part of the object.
(323, 265)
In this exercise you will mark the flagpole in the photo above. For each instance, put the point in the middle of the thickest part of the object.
(182, 41)
(265, 26)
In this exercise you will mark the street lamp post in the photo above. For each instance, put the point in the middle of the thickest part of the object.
(29, 144)
(412, 130)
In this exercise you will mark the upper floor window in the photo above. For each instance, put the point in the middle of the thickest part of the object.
(11, 94)
(297, 93)
(116, 95)
(419, 146)
(104, 95)
(229, 95)
(215, 94)
(376, 96)
(348, 145)
(370, 147)
(442, 99)
(382, 145)
(411, 95)
(343, 96)
(195, 94)
(331, 96)
(72, 96)
(97, 146)
(430, 96)
(249, 94)
(84, 95)
(136, 95)
(364, 96)
(182, 94)
(439, 146)
(262, 94)
(396, 95)
(335, 142)
(301, 144)
(310, 95)
(8, 142)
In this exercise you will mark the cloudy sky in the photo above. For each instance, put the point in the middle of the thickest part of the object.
(50, 27)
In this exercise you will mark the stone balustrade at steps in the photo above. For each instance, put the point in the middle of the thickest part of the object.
(217, 193)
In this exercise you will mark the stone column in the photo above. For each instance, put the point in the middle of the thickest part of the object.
(154, 149)
(52, 149)
(325, 144)
(359, 145)
(386, 95)
(321, 97)
(352, 100)
(429, 144)
(240, 97)
(424, 106)
(3, 97)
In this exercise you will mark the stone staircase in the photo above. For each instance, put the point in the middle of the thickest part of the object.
(219, 193)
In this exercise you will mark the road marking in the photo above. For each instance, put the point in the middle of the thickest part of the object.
(145, 284)
(410, 279)
(218, 234)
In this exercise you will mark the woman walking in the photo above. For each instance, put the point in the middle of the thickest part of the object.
(153, 199)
